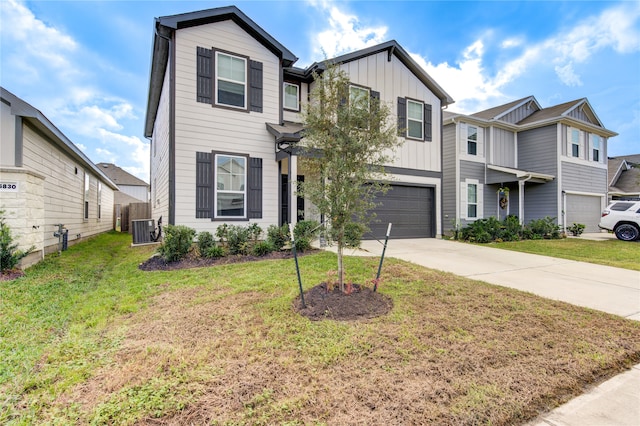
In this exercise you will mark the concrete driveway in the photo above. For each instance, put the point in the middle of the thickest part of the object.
(604, 288)
(615, 402)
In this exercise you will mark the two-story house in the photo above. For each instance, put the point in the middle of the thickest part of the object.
(524, 160)
(224, 119)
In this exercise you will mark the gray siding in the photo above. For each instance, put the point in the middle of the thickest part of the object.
(504, 149)
(449, 188)
(583, 178)
(518, 114)
(491, 207)
(537, 152)
(473, 170)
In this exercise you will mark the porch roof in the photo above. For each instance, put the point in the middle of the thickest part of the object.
(286, 132)
(518, 175)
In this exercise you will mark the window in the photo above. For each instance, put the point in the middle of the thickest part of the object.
(228, 186)
(575, 143)
(415, 119)
(291, 96)
(359, 97)
(472, 140)
(596, 146)
(86, 195)
(472, 201)
(99, 200)
(231, 80)
(230, 183)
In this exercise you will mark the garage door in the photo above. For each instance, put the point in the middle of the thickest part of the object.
(585, 209)
(409, 208)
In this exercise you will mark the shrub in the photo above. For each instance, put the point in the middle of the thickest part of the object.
(205, 242)
(255, 232)
(222, 231)
(278, 236)
(262, 248)
(544, 228)
(512, 229)
(177, 242)
(576, 229)
(238, 239)
(353, 233)
(9, 255)
(214, 251)
(305, 231)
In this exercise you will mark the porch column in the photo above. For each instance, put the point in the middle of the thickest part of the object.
(292, 190)
(521, 201)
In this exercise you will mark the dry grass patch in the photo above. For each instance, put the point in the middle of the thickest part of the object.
(452, 351)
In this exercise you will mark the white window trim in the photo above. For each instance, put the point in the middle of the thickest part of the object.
(580, 144)
(364, 89)
(464, 201)
(463, 140)
(244, 83)
(421, 138)
(592, 136)
(284, 96)
(87, 189)
(223, 191)
(99, 200)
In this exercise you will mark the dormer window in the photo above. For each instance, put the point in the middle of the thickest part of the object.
(292, 96)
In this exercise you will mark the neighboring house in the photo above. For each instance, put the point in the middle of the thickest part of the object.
(624, 177)
(224, 119)
(131, 188)
(547, 161)
(45, 180)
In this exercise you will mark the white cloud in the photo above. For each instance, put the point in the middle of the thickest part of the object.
(136, 149)
(345, 33)
(565, 53)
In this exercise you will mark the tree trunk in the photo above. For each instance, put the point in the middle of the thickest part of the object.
(340, 268)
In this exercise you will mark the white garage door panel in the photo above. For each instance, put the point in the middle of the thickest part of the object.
(585, 209)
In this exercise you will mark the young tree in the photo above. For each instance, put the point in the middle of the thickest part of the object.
(348, 137)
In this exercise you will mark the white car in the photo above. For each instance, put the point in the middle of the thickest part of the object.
(623, 218)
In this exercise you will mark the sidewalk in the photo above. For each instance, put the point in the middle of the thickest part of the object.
(615, 402)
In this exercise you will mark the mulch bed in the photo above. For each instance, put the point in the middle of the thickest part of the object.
(11, 274)
(361, 303)
(157, 263)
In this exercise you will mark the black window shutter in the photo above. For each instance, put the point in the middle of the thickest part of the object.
(205, 79)
(427, 123)
(255, 86)
(375, 105)
(254, 202)
(402, 117)
(204, 185)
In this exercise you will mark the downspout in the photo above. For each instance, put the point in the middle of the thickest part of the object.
(564, 212)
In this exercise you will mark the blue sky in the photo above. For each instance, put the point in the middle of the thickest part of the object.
(85, 64)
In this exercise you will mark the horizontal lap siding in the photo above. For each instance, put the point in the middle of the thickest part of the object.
(449, 186)
(160, 157)
(473, 170)
(584, 178)
(64, 190)
(202, 128)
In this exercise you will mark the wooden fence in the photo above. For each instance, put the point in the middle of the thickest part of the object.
(123, 215)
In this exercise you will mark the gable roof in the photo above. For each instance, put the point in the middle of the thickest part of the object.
(33, 116)
(165, 26)
(120, 176)
(624, 175)
(499, 111)
(392, 47)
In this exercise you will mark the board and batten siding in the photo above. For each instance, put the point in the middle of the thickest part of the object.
(160, 155)
(393, 79)
(537, 151)
(518, 114)
(63, 192)
(449, 186)
(200, 127)
(503, 148)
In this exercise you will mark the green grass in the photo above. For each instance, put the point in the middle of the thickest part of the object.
(88, 338)
(620, 254)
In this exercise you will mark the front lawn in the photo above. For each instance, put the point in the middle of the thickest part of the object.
(621, 254)
(88, 338)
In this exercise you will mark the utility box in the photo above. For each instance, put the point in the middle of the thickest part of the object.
(143, 230)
